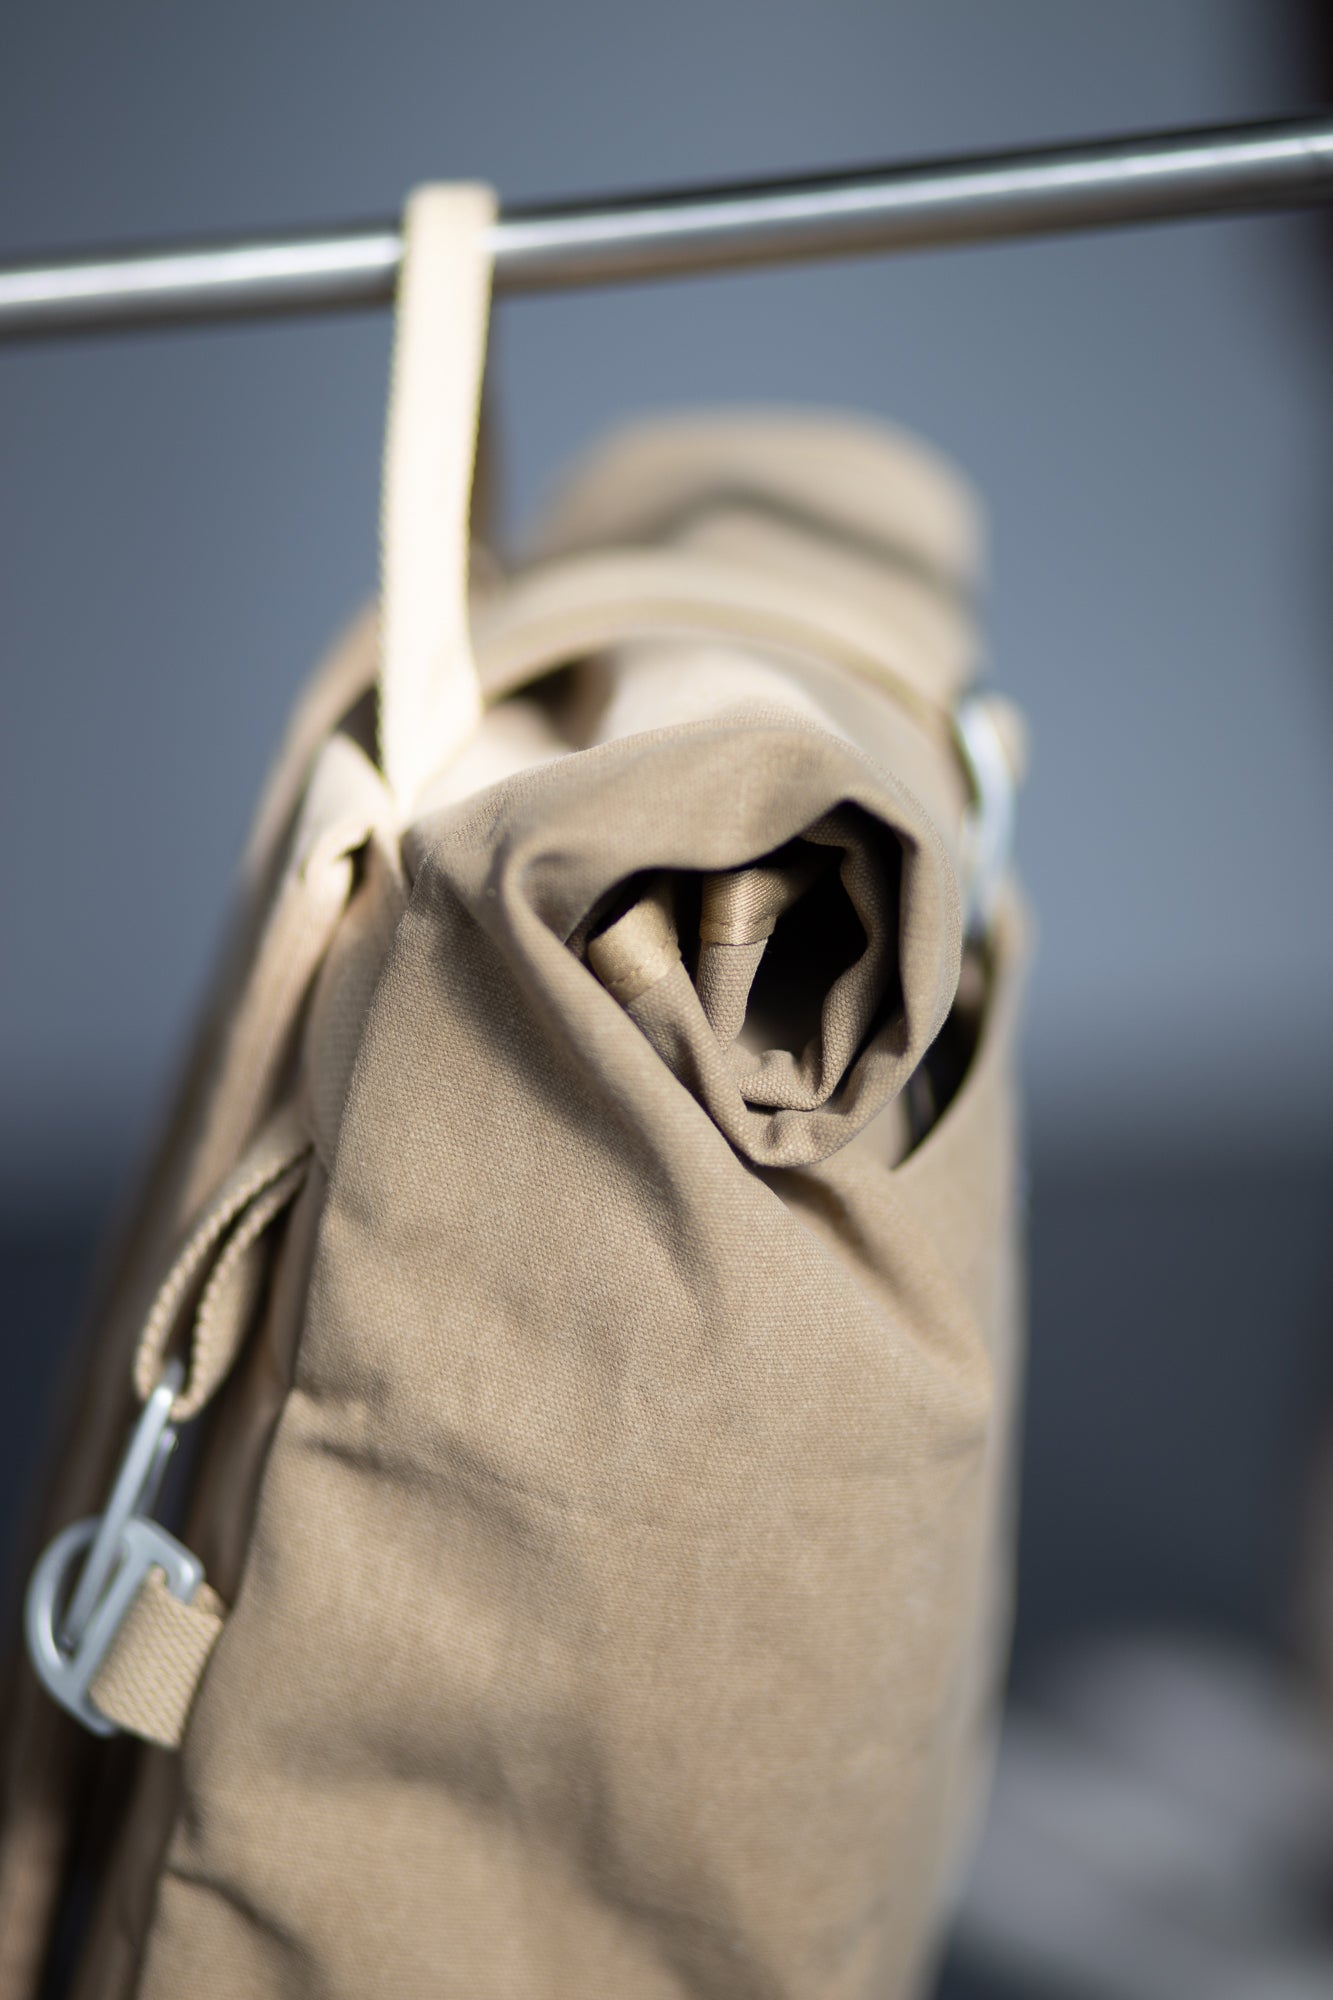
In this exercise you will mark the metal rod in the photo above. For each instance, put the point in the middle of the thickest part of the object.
(1155, 177)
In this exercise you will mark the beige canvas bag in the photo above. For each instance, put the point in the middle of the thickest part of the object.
(583, 1260)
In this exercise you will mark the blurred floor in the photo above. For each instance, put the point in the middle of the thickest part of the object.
(1181, 1382)
(1159, 1829)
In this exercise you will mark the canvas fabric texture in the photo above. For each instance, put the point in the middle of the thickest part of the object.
(602, 1303)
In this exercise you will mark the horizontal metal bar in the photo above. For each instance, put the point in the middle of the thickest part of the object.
(1155, 177)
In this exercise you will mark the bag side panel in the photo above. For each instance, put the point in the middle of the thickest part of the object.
(959, 1197)
(612, 1575)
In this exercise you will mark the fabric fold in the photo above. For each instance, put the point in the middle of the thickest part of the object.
(776, 916)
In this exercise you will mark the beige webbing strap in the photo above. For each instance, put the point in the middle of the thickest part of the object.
(640, 947)
(429, 698)
(346, 805)
(739, 913)
(146, 1681)
(148, 1678)
(221, 1253)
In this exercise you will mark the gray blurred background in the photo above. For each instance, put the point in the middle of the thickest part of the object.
(185, 518)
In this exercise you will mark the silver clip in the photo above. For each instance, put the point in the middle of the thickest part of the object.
(988, 832)
(70, 1631)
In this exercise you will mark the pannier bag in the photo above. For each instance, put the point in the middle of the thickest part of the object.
(581, 1271)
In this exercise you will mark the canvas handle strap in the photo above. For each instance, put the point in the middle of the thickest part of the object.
(429, 695)
(147, 1681)
(219, 1268)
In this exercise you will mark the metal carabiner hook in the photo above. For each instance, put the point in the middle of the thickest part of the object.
(70, 1632)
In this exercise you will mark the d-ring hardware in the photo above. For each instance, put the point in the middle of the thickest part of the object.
(71, 1630)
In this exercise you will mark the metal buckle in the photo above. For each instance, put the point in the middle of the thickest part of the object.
(70, 1631)
(988, 833)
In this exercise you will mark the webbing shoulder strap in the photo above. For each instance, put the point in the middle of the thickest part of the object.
(429, 696)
